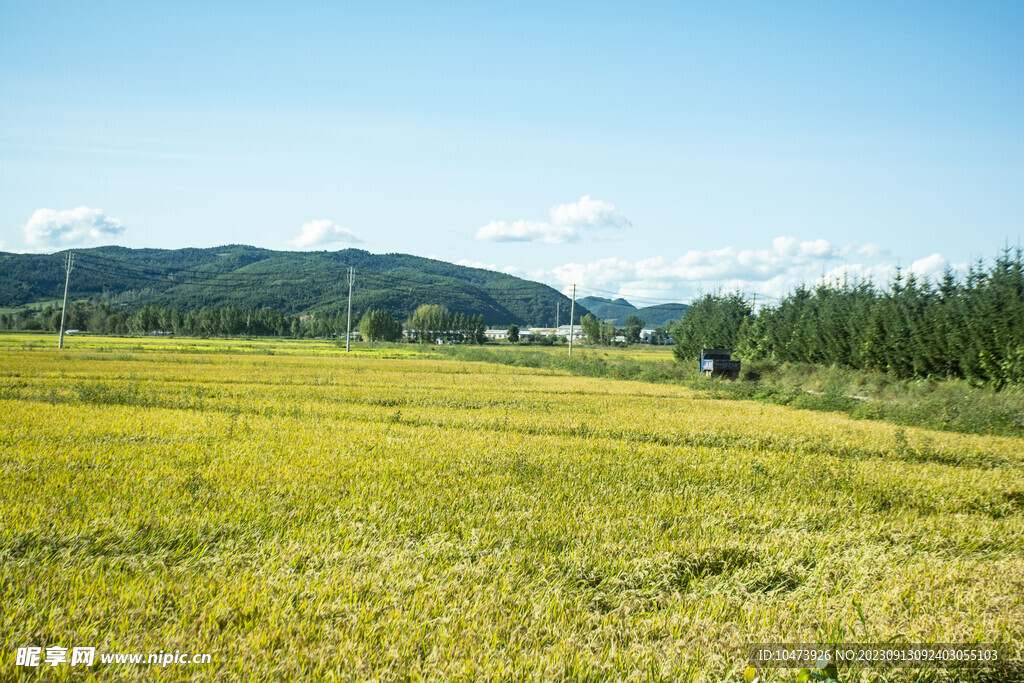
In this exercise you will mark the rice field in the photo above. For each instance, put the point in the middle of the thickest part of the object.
(303, 514)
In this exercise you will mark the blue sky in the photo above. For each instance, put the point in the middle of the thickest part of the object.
(647, 149)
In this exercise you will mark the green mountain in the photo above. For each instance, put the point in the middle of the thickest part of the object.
(662, 314)
(617, 310)
(614, 311)
(291, 282)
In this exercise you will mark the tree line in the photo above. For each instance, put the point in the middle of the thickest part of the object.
(99, 318)
(431, 322)
(970, 328)
(428, 323)
(598, 331)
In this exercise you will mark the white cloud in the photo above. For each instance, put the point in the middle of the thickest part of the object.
(772, 272)
(322, 233)
(566, 223)
(526, 231)
(728, 263)
(930, 267)
(50, 229)
(588, 213)
(879, 273)
(872, 251)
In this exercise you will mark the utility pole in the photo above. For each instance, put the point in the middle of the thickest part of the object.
(348, 332)
(558, 308)
(572, 313)
(64, 308)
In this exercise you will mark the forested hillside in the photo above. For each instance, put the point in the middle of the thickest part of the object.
(609, 310)
(248, 278)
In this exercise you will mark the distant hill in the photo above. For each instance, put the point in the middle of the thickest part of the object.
(662, 314)
(617, 310)
(291, 282)
(610, 310)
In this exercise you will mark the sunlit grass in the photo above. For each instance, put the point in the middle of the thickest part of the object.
(229, 345)
(301, 513)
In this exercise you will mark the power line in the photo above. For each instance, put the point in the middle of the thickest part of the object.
(526, 288)
(159, 271)
(634, 298)
(92, 268)
(382, 278)
(513, 287)
(508, 287)
(642, 299)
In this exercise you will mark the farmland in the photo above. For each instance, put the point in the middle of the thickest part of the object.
(300, 513)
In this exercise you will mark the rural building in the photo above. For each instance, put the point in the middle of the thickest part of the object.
(577, 331)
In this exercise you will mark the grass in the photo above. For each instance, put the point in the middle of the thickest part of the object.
(34, 306)
(951, 405)
(303, 514)
(231, 346)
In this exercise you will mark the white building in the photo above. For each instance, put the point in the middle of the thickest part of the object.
(577, 331)
(499, 333)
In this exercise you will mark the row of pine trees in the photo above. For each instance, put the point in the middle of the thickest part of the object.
(429, 323)
(100, 318)
(970, 328)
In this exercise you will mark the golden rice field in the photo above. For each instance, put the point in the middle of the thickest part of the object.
(303, 514)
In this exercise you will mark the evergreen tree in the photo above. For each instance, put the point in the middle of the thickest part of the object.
(713, 321)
